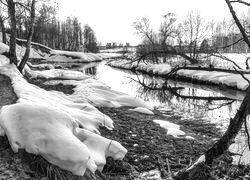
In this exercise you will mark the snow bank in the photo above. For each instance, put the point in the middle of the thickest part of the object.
(50, 124)
(221, 78)
(229, 79)
(70, 56)
(53, 55)
(57, 74)
(158, 69)
(92, 91)
(46, 131)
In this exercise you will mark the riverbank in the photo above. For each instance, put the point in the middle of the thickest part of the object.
(150, 148)
(208, 76)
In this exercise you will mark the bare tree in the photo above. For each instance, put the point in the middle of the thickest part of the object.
(12, 14)
(30, 34)
(194, 30)
(155, 44)
(236, 122)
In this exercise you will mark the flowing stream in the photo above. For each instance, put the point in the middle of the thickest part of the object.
(189, 101)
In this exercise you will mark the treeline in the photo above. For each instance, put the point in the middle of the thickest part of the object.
(66, 34)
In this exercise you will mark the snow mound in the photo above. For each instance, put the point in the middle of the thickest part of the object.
(98, 94)
(142, 110)
(55, 135)
(106, 148)
(51, 128)
(172, 129)
(46, 131)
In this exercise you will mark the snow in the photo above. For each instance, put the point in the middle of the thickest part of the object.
(229, 79)
(40, 66)
(221, 78)
(70, 56)
(172, 129)
(97, 93)
(158, 69)
(201, 159)
(106, 148)
(190, 137)
(3, 48)
(58, 74)
(20, 51)
(151, 175)
(3, 60)
(142, 110)
(49, 122)
(46, 131)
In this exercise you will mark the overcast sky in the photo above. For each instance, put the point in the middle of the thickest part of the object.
(112, 19)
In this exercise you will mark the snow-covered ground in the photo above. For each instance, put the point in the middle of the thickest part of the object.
(158, 69)
(63, 128)
(220, 78)
(59, 55)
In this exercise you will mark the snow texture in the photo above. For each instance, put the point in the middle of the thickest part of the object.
(62, 128)
(97, 93)
(221, 78)
(172, 129)
(69, 56)
(158, 69)
(49, 122)
(142, 110)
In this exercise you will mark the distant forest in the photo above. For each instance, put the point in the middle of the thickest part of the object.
(68, 34)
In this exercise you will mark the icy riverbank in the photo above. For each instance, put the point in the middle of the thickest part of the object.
(233, 80)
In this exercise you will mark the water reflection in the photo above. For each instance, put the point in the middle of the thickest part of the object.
(188, 101)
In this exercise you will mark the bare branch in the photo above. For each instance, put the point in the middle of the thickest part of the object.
(244, 77)
(239, 1)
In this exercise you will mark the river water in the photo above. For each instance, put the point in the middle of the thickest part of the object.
(189, 101)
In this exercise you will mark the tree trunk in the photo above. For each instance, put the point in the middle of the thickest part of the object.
(226, 140)
(29, 38)
(12, 49)
(3, 30)
(239, 25)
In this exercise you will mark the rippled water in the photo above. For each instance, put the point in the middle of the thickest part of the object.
(190, 102)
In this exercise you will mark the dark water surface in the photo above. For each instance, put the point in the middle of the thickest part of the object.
(189, 101)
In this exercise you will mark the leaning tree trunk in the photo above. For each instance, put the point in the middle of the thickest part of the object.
(3, 30)
(238, 23)
(226, 140)
(12, 15)
(29, 38)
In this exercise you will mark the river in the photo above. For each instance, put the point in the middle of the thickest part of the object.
(189, 101)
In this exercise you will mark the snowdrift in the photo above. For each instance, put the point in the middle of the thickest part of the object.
(89, 90)
(62, 128)
(55, 135)
(47, 123)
